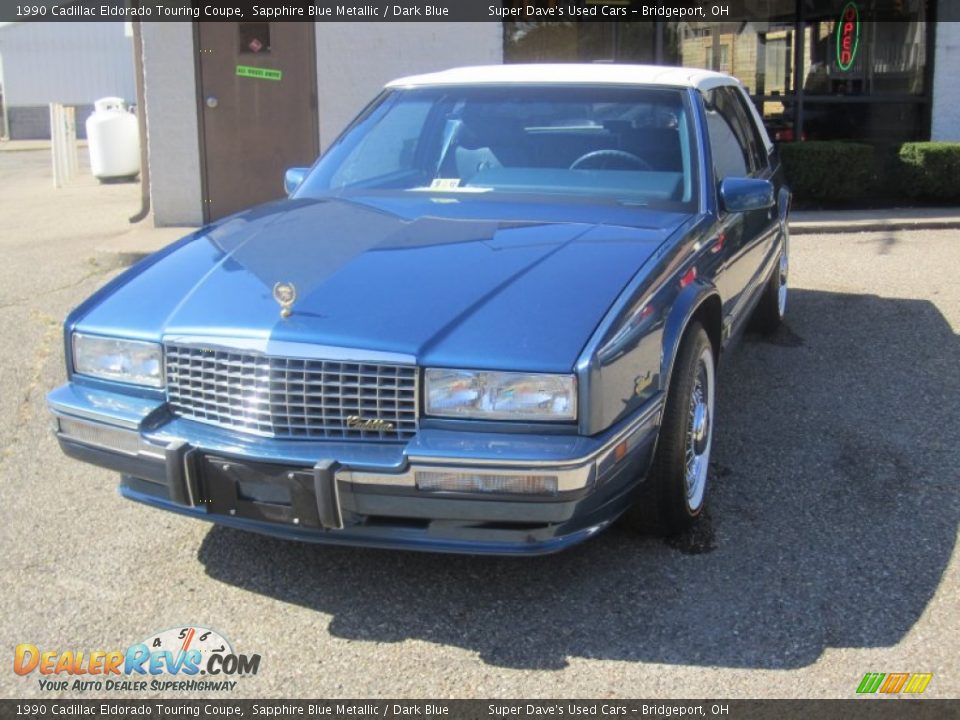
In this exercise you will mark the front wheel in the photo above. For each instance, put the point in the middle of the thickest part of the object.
(674, 494)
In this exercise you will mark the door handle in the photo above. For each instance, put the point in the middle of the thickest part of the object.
(212, 101)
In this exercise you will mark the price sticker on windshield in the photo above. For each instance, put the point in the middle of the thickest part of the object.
(445, 184)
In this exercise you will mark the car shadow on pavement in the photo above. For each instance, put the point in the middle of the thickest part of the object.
(834, 515)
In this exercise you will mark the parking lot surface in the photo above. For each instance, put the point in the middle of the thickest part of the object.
(829, 550)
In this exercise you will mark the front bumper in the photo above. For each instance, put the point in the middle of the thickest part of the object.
(358, 493)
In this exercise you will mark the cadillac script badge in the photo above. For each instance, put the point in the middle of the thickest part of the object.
(375, 424)
(285, 294)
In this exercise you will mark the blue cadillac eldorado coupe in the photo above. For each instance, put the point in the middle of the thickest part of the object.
(487, 320)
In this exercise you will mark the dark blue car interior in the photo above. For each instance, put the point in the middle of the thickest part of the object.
(628, 144)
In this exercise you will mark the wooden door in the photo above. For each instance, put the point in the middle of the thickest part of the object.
(258, 105)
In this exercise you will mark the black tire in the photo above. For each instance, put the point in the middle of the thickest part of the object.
(769, 311)
(663, 505)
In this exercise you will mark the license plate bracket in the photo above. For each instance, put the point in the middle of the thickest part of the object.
(258, 491)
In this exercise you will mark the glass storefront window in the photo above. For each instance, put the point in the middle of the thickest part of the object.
(816, 69)
(578, 41)
(526, 42)
(889, 58)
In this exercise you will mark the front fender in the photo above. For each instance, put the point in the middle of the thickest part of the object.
(621, 369)
(688, 302)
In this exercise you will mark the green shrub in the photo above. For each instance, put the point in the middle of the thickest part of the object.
(930, 170)
(831, 171)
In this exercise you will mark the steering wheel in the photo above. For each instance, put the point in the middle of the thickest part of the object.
(622, 156)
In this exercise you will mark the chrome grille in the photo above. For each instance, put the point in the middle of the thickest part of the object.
(291, 397)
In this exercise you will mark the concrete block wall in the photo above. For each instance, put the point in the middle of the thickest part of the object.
(173, 134)
(355, 60)
(945, 113)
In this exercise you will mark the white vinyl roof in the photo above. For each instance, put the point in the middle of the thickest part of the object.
(601, 73)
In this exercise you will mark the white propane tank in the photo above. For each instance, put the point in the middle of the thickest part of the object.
(113, 136)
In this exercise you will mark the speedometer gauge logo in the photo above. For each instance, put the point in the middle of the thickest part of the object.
(203, 643)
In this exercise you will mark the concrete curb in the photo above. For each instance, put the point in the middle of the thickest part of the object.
(805, 222)
(820, 228)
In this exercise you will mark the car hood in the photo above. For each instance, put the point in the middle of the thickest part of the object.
(453, 282)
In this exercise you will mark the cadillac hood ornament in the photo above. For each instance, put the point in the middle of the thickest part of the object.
(285, 294)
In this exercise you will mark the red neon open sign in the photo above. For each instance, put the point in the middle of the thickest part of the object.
(848, 36)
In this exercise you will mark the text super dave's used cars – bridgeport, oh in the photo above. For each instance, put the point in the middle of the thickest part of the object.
(487, 320)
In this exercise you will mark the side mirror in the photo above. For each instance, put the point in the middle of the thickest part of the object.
(742, 194)
(293, 178)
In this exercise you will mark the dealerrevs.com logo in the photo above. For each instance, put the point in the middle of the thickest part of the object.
(183, 659)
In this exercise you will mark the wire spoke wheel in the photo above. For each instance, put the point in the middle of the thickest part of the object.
(674, 493)
(699, 432)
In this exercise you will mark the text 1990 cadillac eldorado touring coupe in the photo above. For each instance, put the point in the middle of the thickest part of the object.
(487, 320)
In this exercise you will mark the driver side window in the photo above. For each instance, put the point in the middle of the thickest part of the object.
(730, 149)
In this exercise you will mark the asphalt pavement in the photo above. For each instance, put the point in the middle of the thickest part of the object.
(829, 550)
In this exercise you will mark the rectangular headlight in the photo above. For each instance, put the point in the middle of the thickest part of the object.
(487, 395)
(128, 361)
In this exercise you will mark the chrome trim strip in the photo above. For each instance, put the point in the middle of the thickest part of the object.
(336, 499)
(187, 480)
(299, 351)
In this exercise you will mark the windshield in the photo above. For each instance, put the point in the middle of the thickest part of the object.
(613, 143)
